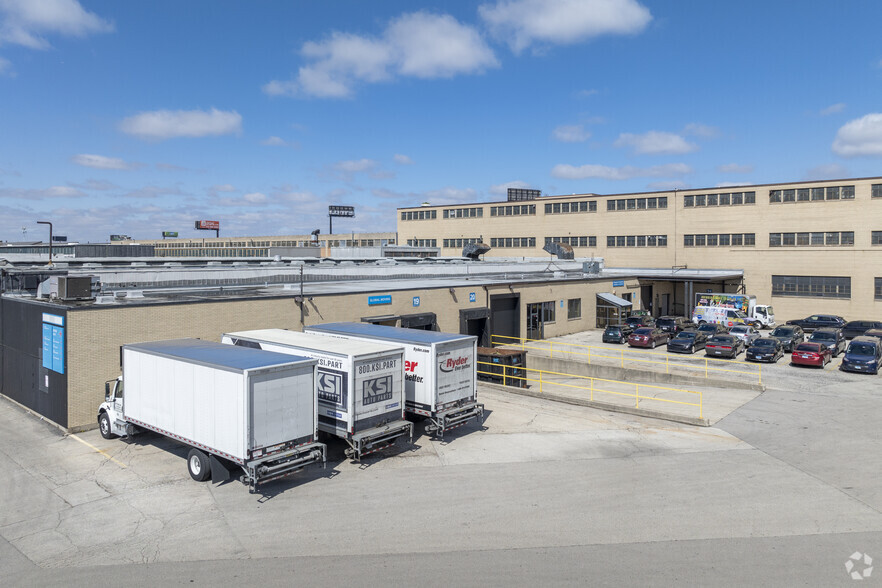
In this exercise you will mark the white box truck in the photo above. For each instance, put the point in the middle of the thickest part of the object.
(238, 409)
(360, 385)
(441, 377)
(760, 315)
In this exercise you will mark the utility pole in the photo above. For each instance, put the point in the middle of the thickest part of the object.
(50, 238)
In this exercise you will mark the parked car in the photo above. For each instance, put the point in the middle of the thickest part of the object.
(789, 335)
(688, 341)
(672, 324)
(635, 322)
(765, 349)
(854, 329)
(819, 321)
(711, 329)
(724, 346)
(616, 333)
(746, 333)
(832, 338)
(877, 333)
(816, 354)
(864, 354)
(647, 337)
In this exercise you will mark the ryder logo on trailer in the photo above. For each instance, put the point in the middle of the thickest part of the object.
(377, 390)
(454, 364)
(409, 369)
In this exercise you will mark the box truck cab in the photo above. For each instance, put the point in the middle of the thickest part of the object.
(241, 411)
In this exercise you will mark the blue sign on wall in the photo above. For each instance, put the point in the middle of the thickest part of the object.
(381, 299)
(53, 342)
(416, 300)
(618, 283)
(472, 297)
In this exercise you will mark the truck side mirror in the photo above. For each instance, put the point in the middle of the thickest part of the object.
(107, 391)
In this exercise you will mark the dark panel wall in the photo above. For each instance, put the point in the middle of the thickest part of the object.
(22, 375)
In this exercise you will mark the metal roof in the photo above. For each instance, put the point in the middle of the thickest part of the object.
(396, 334)
(315, 342)
(217, 354)
(613, 299)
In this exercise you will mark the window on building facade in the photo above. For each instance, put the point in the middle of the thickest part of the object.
(876, 191)
(878, 284)
(814, 286)
(574, 308)
(548, 311)
(876, 238)
(637, 241)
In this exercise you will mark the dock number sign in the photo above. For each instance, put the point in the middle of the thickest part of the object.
(377, 390)
(416, 300)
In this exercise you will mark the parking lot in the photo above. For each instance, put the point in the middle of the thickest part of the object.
(783, 490)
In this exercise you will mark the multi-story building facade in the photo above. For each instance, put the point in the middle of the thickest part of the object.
(805, 247)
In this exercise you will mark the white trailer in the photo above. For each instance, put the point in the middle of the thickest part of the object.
(238, 409)
(441, 378)
(360, 385)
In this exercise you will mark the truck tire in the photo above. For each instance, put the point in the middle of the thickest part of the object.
(198, 465)
(104, 426)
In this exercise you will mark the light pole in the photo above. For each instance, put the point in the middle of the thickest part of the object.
(50, 238)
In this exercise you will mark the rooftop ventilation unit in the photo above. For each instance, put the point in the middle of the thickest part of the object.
(591, 267)
(473, 250)
(70, 287)
(562, 250)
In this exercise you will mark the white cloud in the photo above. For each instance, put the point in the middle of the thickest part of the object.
(255, 197)
(356, 166)
(734, 168)
(561, 22)
(402, 159)
(832, 109)
(828, 171)
(166, 124)
(97, 185)
(6, 67)
(222, 188)
(571, 172)
(274, 142)
(25, 22)
(102, 162)
(655, 142)
(700, 130)
(420, 44)
(42, 193)
(571, 133)
(151, 191)
(502, 189)
(861, 136)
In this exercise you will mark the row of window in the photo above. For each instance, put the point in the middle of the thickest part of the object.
(422, 242)
(513, 210)
(459, 243)
(812, 194)
(570, 207)
(637, 241)
(637, 203)
(574, 241)
(820, 286)
(811, 239)
(419, 215)
(512, 241)
(471, 212)
(721, 199)
(720, 240)
(876, 191)
(545, 311)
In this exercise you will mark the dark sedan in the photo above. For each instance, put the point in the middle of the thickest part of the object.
(854, 329)
(616, 333)
(789, 335)
(688, 341)
(816, 354)
(819, 321)
(647, 337)
(724, 346)
(832, 338)
(711, 329)
(672, 324)
(765, 349)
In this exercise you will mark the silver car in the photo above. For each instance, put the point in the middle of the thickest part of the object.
(746, 333)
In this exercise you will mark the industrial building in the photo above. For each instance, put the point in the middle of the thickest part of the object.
(805, 247)
(61, 328)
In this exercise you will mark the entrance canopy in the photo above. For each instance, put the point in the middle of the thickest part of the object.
(613, 299)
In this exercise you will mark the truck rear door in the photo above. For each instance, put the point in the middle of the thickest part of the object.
(455, 371)
(278, 412)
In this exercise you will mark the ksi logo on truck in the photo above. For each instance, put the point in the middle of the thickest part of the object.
(377, 390)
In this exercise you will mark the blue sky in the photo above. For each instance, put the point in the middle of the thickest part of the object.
(140, 117)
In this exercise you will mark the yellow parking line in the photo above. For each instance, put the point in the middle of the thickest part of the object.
(102, 452)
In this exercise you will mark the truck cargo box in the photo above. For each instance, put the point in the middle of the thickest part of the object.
(360, 384)
(440, 370)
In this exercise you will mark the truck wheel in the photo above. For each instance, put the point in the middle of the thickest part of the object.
(197, 464)
(104, 426)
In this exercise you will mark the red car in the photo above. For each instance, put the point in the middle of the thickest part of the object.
(648, 337)
(815, 354)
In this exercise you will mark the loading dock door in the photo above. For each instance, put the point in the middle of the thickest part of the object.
(426, 321)
(505, 317)
(474, 321)
(389, 320)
